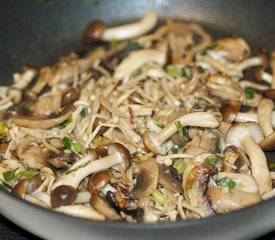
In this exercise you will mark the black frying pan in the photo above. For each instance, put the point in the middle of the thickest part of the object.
(38, 34)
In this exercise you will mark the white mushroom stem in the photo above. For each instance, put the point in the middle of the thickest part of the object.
(137, 59)
(196, 119)
(245, 183)
(250, 62)
(131, 30)
(85, 167)
(248, 84)
(83, 197)
(267, 77)
(258, 161)
(252, 117)
(264, 113)
(272, 66)
(80, 211)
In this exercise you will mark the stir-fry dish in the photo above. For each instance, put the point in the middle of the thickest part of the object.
(153, 123)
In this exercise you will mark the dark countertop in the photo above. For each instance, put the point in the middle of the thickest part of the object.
(9, 231)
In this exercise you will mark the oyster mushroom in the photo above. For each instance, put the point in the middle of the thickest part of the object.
(223, 202)
(247, 135)
(147, 181)
(154, 142)
(117, 154)
(43, 121)
(195, 186)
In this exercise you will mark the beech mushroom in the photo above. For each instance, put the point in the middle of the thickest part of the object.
(147, 181)
(63, 195)
(137, 59)
(117, 154)
(154, 142)
(224, 202)
(270, 93)
(247, 135)
(260, 74)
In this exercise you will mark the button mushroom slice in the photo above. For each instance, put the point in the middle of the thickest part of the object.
(117, 154)
(147, 181)
(247, 135)
(154, 142)
(244, 182)
(195, 186)
(80, 211)
(137, 59)
(223, 202)
(43, 121)
(131, 30)
(233, 49)
(168, 180)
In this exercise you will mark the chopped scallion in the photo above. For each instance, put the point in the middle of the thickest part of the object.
(180, 129)
(84, 112)
(226, 182)
(67, 142)
(9, 175)
(180, 165)
(249, 93)
(158, 197)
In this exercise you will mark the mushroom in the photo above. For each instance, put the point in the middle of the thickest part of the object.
(195, 186)
(147, 181)
(248, 84)
(69, 96)
(154, 142)
(210, 141)
(43, 121)
(137, 59)
(26, 186)
(99, 180)
(260, 74)
(270, 93)
(229, 110)
(247, 135)
(126, 31)
(223, 202)
(117, 154)
(63, 195)
(168, 179)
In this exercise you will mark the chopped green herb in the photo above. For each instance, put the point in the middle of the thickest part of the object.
(226, 182)
(28, 106)
(249, 93)
(180, 165)
(158, 197)
(212, 160)
(3, 127)
(175, 149)
(9, 175)
(271, 166)
(132, 45)
(183, 73)
(68, 121)
(81, 166)
(67, 142)
(180, 129)
(79, 148)
(29, 174)
(97, 141)
(84, 112)
(188, 47)
(112, 43)
(201, 69)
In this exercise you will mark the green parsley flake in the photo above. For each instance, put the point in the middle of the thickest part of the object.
(9, 175)
(212, 160)
(249, 93)
(67, 142)
(132, 45)
(84, 112)
(226, 182)
(180, 129)
(28, 174)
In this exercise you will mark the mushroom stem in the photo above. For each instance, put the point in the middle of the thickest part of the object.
(272, 66)
(252, 117)
(258, 161)
(131, 30)
(248, 84)
(264, 114)
(250, 62)
(195, 119)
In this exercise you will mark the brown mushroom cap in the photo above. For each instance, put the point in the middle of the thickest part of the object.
(94, 31)
(269, 93)
(262, 54)
(63, 195)
(268, 143)
(93, 153)
(99, 180)
(69, 96)
(147, 181)
(230, 110)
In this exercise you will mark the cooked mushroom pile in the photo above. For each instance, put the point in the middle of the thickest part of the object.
(152, 123)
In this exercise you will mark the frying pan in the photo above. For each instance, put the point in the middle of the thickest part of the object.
(38, 34)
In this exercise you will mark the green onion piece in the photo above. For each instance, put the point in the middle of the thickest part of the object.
(3, 127)
(173, 71)
(271, 166)
(175, 149)
(27, 174)
(112, 43)
(183, 73)
(226, 182)
(212, 160)
(84, 112)
(28, 105)
(180, 129)
(180, 165)
(97, 141)
(67, 142)
(249, 93)
(9, 175)
(188, 47)
(132, 45)
(81, 166)
(68, 121)
(79, 148)
(158, 197)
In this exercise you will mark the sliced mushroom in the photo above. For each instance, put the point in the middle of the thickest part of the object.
(224, 202)
(147, 181)
(247, 135)
(195, 186)
(43, 121)
(154, 142)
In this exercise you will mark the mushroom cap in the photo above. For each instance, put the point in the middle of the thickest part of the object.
(149, 139)
(262, 54)
(63, 195)
(118, 147)
(268, 143)
(236, 133)
(269, 93)
(94, 31)
(258, 73)
(69, 96)
(99, 180)
(230, 110)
